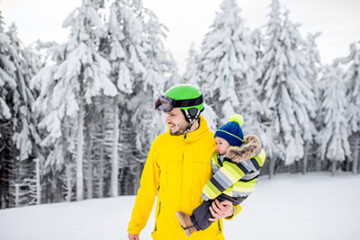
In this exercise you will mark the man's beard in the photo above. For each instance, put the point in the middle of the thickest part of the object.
(180, 131)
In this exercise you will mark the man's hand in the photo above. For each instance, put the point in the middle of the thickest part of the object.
(133, 237)
(220, 210)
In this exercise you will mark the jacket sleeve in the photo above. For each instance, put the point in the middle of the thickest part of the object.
(149, 184)
(237, 209)
(226, 176)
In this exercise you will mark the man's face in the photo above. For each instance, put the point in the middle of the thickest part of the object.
(176, 121)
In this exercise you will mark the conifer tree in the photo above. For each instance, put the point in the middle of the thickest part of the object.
(313, 68)
(7, 86)
(139, 64)
(192, 76)
(286, 91)
(271, 44)
(161, 69)
(125, 29)
(352, 80)
(227, 60)
(70, 85)
(333, 136)
(19, 137)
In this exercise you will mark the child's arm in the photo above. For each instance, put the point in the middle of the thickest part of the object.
(224, 178)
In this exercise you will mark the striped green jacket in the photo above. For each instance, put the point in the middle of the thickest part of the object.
(236, 173)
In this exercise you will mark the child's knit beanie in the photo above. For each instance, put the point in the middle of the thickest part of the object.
(232, 131)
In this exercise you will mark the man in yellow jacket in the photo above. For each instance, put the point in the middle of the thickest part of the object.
(176, 170)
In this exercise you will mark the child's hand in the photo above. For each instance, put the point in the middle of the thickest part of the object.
(220, 210)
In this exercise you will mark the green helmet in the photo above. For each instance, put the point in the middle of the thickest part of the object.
(186, 92)
(186, 97)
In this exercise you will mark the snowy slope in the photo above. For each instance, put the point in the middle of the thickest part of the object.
(289, 207)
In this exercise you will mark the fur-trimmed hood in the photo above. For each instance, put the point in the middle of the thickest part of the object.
(252, 144)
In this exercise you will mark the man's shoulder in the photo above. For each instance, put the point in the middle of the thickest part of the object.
(210, 133)
(161, 138)
(209, 136)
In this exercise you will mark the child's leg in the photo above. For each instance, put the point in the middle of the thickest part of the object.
(199, 220)
(201, 214)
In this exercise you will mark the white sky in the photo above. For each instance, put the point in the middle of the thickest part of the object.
(189, 20)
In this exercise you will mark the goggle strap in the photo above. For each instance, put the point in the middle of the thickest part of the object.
(188, 102)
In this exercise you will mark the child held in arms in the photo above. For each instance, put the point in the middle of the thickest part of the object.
(236, 166)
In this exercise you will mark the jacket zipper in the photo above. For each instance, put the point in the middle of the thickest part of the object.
(157, 216)
(219, 226)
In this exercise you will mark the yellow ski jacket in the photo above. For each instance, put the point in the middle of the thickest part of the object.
(175, 171)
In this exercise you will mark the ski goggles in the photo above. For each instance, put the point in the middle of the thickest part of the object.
(164, 104)
(167, 104)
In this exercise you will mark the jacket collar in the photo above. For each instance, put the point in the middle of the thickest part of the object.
(251, 147)
(192, 136)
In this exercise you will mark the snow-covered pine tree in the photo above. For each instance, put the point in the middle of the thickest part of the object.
(191, 76)
(160, 70)
(333, 136)
(158, 62)
(19, 136)
(118, 44)
(286, 91)
(7, 85)
(313, 69)
(352, 81)
(68, 86)
(257, 113)
(270, 44)
(139, 65)
(227, 60)
(102, 145)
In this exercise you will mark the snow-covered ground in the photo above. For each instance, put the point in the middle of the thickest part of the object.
(289, 207)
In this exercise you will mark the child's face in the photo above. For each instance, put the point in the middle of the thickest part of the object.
(221, 145)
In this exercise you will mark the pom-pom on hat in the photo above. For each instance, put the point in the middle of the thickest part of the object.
(232, 131)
